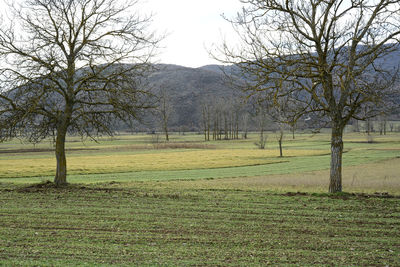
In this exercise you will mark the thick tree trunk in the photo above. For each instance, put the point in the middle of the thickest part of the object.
(335, 184)
(61, 172)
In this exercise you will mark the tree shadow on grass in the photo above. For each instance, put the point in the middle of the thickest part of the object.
(48, 186)
(343, 195)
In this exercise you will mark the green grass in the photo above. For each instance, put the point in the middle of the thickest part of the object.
(169, 160)
(133, 157)
(113, 225)
(221, 216)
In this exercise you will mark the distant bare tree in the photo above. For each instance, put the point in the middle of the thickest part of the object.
(206, 115)
(382, 124)
(281, 127)
(165, 110)
(235, 110)
(245, 121)
(282, 112)
(356, 126)
(72, 66)
(326, 56)
(261, 117)
(216, 119)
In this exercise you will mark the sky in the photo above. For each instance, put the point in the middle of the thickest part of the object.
(193, 27)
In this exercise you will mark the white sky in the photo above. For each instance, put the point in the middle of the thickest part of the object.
(193, 27)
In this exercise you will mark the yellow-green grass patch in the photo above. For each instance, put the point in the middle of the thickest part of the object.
(165, 161)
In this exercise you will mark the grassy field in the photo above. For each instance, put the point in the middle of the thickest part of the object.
(167, 161)
(225, 203)
(135, 225)
(128, 158)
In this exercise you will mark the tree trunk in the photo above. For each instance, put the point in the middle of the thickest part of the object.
(226, 127)
(280, 143)
(166, 135)
(61, 172)
(384, 126)
(335, 184)
(166, 131)
(262, 139)
(208, 129)
(204, 115)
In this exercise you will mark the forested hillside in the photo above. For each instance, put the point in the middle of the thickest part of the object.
(189, 91)
(186, 90)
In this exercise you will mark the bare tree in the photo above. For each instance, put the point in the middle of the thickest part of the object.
(326, 56)
(293, 126)
(245, 124)
(382, 124)
(281, 111)
(72, 66)
(391, 125)
(356, 126)
(165, 110)
(218, 106)
(261, 117)
(279, 116)
(236, 110)
(206, 112)
(281, 127)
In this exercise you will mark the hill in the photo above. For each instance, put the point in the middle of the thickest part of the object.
(187, 87)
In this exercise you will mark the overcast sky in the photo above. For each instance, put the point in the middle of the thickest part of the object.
(193, 26)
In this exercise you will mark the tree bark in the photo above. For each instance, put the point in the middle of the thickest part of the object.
(166, 131)
(335, 184)
(384, 126)
(280, 143)
(61, 172)
(208, 127)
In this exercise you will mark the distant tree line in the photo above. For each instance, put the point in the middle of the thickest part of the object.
(233, 117)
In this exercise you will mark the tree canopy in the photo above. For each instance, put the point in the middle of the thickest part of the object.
(324, 56)
(72, 66)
